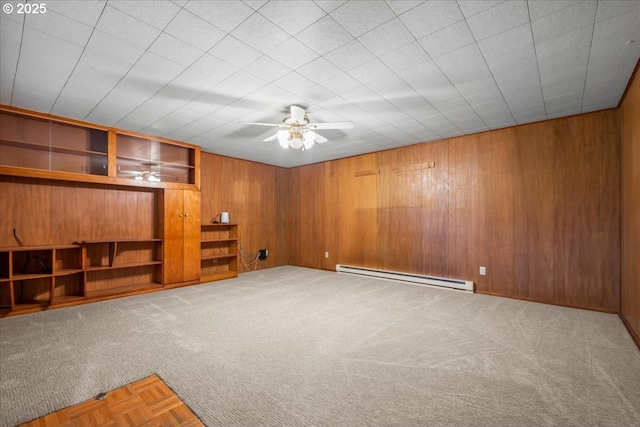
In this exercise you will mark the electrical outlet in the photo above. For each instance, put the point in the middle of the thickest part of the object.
(326, 254)
(262, 254)
(483, 271)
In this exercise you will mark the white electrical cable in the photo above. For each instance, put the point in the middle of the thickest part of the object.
(252, 264)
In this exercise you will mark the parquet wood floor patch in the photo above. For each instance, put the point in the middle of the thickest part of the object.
(145, 403)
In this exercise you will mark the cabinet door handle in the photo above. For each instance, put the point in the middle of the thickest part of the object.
(186, 215)
(180, 215)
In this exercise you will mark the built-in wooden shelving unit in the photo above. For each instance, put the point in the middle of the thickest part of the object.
(219, 257)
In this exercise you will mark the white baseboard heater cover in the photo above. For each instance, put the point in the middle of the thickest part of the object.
(463, 285)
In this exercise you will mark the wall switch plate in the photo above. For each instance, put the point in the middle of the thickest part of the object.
(326, 254)
(483, 271)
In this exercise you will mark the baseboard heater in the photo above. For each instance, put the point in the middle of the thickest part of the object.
(462, 285)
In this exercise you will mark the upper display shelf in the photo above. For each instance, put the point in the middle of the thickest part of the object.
(45, 146)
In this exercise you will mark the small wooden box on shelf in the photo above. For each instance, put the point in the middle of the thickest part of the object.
(219, 245)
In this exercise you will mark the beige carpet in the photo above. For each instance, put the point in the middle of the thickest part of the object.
(295, 346)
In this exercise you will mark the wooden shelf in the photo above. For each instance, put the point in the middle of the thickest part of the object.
(45, 146)
(219, 256)
(122, 266)
(124, 290)
(219, 276)
(218, 251)
(50, 148)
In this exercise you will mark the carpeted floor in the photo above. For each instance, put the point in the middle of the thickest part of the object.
(295, 346)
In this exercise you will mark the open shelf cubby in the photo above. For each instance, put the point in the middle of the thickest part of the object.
(219, 251)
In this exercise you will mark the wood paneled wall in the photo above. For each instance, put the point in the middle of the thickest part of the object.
(630, 283)
(45, 212)
(255, 195)
(538, 205)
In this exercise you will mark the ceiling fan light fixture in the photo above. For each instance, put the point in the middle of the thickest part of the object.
(296, 132)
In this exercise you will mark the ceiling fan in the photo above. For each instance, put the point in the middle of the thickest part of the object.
(297, 131)
(144, 174)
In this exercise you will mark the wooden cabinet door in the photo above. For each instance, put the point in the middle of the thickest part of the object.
(191, 248)
(181, 227)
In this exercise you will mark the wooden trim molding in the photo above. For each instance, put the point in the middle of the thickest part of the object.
(634, 336)
(629, 83)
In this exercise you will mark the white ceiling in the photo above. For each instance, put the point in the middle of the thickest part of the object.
(403, 71)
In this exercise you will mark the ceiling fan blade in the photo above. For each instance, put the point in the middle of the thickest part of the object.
(261, 124)
(340, 125)
(297, 114)
(319, 138)
(271, 138)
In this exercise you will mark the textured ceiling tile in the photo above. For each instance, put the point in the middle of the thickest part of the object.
(119, 24)
(293, 54)
(539, 9)
(498, 19)
(234, 52)
(214, 67)
(425, 76)
(609, 9)
(401, 6)
(294, 82)
(324, 36)
(553, 50)
(370, 71)
(260, 33)
(431, 16)
(124, 52)
(464, 65)
(580, 16)
(195, 31)
(504, 43)
(176, 50)
(405, 57)
(319, 70)
(97, 71)
(359, 17)
(448, 39)
(225, 15)
(387, 37)
(473, 7)
(39, 53)
(60, 26)
(329, 5)
(292, 16)
(340, 83)
(267, 68)
(350, 55)
(314, 94)
(245, 81)
(157, 14)
(617, 31)
(88, 14)
(136, 75)
(10, 36)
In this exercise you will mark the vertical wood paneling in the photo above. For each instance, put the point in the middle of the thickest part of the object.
(357, 207)
(533, 212)
(586, 248)
(462, 224)
(500, 207)
(48, 212)
(308, 199)
(435, 199)
(630, 282)
(400, 215)
(536, 205)
(251, 193)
